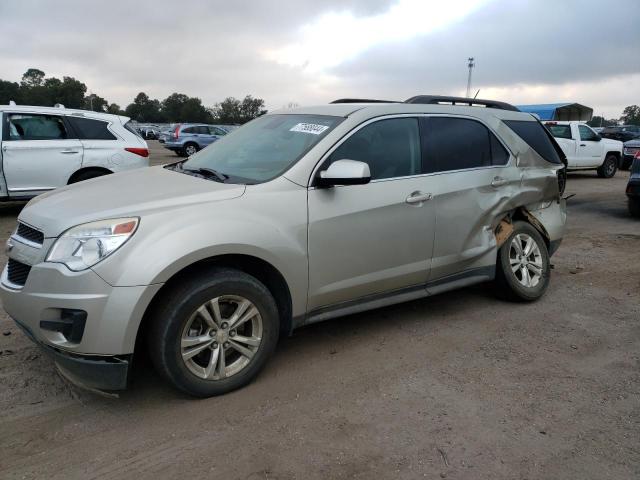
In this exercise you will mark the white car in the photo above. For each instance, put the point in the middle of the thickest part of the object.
(47, 147)
(585, 149)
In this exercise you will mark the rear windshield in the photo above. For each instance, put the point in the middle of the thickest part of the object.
(559, 131)
(537, 137)
(264, 148)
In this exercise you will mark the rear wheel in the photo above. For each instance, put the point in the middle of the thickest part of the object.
(214, 333)
(522, 270)
(190, 149)
(609, 167)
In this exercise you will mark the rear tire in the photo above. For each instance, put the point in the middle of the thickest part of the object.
(634, 207)
(609, 167)
(190, 149)
(224, 363)
(523, 269)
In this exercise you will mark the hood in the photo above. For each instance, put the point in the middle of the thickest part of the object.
(612, 143)
(132, 193)
(632, 143)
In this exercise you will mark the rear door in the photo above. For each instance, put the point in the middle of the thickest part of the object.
(474, 175)
(101, 147)
(589, 148)
(567, 141)
(40, 153)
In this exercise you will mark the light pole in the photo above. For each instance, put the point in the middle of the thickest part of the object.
(471, 64)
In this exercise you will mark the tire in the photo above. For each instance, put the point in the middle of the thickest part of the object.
(177, 320)
(190, 148)
(609, 167)
(511, 285)
(87, 175)
(634, 207)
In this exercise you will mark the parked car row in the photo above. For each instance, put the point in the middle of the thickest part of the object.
(623, 133)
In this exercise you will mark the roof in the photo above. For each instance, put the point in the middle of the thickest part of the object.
(559, 111)
(61, 110)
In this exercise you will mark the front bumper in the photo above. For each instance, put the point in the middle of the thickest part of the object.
(105, 373)
(113, 314)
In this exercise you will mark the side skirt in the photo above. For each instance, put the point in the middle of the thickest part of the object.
(378, 300)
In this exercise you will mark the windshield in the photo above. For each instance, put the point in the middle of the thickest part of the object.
(264, 148)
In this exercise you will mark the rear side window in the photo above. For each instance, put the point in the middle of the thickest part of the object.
(190, 130)
(536, 137)
(391, 148)
(88, 129)
(560, 131)
(131, 128)
(36, 127)
(459, 143)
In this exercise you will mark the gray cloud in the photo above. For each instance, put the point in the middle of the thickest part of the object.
(216, 49)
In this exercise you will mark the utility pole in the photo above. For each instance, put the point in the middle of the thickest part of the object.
(471, 64)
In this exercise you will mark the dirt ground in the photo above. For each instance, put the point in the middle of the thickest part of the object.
(460, 386)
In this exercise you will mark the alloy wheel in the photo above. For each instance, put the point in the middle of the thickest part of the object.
(525, 260)
(221, 337)
(190, 150)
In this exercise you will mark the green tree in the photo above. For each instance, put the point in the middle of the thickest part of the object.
(598, 121)
(9, 91)
(33, 77)
(631, 115)
(95, 103)
(232, 111)
(71, 93)
(172, 107)
(144, 109)
(115, 109)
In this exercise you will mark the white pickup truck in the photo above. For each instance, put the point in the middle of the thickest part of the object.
(585, 149)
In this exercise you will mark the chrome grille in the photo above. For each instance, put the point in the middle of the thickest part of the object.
(17, 272)
(30, 233)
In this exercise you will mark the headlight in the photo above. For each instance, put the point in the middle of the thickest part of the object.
(83, 246)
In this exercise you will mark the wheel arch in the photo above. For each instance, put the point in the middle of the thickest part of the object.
(74, 175)
(262, 270)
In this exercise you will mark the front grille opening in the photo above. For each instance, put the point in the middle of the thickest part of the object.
(17, 272)
(30, 233)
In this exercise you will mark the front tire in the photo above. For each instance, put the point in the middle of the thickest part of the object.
(609, 167)
(523, 267)
(214, 332)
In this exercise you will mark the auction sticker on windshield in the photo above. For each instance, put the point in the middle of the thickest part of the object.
(312, 128)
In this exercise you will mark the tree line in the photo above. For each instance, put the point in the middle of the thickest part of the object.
(630, 116)
(36, 89)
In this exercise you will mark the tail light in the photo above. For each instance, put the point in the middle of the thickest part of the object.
(176, 133)
(637, 155)
(143, 152)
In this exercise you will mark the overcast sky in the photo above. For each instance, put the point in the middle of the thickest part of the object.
(314, 51)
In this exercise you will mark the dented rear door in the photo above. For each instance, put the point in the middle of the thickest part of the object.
(477, 178)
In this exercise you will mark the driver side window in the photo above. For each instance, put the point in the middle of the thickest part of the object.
(390, 147)
(587, 134)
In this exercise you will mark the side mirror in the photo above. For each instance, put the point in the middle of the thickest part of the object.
(344, 172)
(598, 137)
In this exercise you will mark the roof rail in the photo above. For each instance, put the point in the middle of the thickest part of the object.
(363, 100)
(442, 99)
(58, 105)
(12, 103)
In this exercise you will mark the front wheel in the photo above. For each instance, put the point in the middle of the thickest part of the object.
(609, 167)
(523, 268)
(214, 333)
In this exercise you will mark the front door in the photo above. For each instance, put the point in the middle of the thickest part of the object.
(37, 153)
(589, 148)
(378, 237)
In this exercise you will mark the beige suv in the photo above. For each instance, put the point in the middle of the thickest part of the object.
(297, 217)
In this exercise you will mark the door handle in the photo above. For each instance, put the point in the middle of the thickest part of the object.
(498, 181)
(69, 151)
(418, 197)
(583, 144)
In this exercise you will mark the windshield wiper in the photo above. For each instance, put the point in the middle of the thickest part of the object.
(209, 173)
